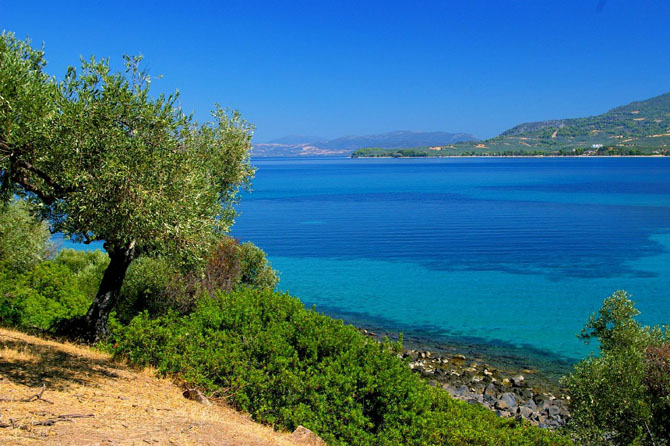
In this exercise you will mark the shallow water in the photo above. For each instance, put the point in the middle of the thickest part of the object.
(500, 255)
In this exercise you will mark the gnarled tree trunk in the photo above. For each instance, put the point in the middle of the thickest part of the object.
(95, 321)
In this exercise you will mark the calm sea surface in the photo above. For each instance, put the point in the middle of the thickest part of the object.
(498, 255)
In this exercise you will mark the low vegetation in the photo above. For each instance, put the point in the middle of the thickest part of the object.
(622, 396)
(287, 365)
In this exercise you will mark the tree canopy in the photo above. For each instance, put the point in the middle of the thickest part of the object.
(101, 158)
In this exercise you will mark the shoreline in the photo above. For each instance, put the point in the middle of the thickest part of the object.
(507, 156)
(545, 375)
(521, 393)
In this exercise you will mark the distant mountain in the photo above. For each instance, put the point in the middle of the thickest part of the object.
(300, 145)
(399, 139)
(297, 139)
(641, 127)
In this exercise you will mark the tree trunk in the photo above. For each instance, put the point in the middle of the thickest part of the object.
(95, 321)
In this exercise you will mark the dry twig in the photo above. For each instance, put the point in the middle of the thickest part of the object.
(28, 399)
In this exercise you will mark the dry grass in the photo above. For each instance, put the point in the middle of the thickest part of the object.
(119, 406)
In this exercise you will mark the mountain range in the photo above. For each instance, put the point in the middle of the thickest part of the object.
(641, 127)
(297, 145)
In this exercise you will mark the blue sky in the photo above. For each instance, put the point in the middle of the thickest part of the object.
(333, 68)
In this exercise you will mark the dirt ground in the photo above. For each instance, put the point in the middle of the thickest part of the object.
(63, 394)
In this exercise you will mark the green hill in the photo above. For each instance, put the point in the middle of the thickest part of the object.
(639, 128)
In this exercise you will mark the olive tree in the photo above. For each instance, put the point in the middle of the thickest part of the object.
(103, 159)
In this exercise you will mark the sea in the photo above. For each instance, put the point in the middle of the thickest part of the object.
(503, 257)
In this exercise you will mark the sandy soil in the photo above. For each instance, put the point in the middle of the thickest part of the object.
(88, 399)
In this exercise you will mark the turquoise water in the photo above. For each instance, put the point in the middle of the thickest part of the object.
(506, 255)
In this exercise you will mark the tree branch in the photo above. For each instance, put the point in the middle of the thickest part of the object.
(18, 163)
(25, 183)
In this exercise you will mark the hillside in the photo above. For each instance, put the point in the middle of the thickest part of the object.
(89, 399)
(344, 146)
(641, 127)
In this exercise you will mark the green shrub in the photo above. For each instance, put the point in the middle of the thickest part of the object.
(268, 355)
(622, 396)
(87, 266)
(156, 286)
(255, 270)
(231, 265)
(44, 295)
(24, 240)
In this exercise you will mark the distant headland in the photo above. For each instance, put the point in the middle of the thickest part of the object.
(641, 128)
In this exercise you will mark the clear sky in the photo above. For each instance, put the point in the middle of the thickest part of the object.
(333, 68)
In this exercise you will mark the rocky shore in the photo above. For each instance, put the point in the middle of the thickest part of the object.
(474, 381)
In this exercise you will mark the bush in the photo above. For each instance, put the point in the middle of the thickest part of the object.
(622, 396)
(24, 240)
(255, 270)
(87, 266)
(43, 296)
(268, 355)
(156, 286)
(231, 265)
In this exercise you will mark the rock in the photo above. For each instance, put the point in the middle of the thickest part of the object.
(469, 372)
(525, 412)
(509, 399)
(546, 404)
(196, 395)
(517, 380)
(506, 382)
(490, 400)
(478, 388)
(525, 393)
(477, 379)
(501, 405)
(475, 399)
(304, 436)
(531, 405)
(554, 411)
(462, 390)
(490, 390)
(459, 357)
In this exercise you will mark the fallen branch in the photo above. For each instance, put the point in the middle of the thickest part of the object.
(51, 421)
(29, 399)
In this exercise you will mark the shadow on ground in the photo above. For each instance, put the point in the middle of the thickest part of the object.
(36, 365)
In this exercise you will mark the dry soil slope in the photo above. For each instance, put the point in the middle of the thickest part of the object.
(90, 400)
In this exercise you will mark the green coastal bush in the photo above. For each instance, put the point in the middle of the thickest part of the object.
(44, 295)
(51, 290)
(286, 365)
(622, 396)
(155, 285)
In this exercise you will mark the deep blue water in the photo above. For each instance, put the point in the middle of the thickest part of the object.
(511, 254)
